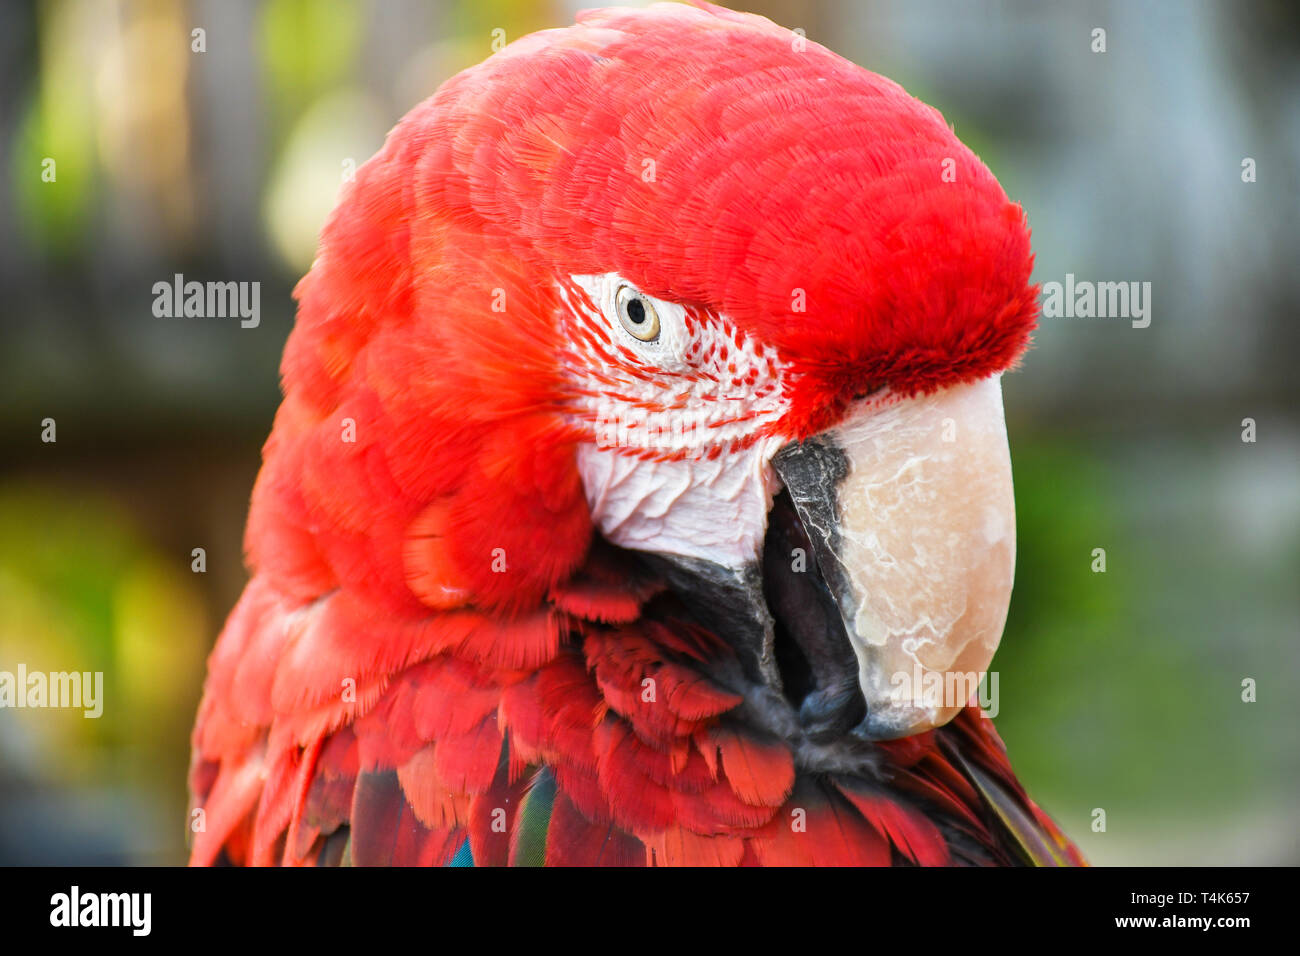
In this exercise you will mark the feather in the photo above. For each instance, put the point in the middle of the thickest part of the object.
(760, 772)
(1037, 847)
(528, 841)
(911, 834)
(437, 660)
(385, 831)
(817, 827)
(464, 856)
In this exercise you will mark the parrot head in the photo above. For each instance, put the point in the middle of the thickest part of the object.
(679, 289)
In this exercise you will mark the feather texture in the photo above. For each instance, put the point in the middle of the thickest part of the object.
(436, 661)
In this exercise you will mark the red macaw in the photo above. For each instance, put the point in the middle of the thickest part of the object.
(641, 468)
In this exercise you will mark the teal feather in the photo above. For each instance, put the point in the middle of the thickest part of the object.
(464, 856)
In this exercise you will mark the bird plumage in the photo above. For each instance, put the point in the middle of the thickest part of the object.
(438, 658)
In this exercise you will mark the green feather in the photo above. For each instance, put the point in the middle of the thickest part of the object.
(1037, 847)
(534, 821)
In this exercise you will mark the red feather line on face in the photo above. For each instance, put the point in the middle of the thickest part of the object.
(665, 407)
(429, 621)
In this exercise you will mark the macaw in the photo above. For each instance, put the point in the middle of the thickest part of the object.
(641, 493)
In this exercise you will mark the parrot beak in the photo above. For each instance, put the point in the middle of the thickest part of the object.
(910, 515)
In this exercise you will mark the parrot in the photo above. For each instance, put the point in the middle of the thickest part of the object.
(640, 494)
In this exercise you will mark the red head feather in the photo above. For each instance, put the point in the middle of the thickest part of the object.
(709, 157)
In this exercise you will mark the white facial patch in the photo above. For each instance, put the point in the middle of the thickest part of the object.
(678, 457)
(715, 510)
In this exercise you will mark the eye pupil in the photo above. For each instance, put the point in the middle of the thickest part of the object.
(636, 311)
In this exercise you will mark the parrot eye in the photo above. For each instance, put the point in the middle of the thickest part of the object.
(637, 314)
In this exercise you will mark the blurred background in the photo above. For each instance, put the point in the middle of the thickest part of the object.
(1119, 691)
